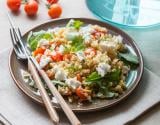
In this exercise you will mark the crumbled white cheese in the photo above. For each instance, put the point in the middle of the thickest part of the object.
(105, 45)
(43, 42)
(73, 83)
(86, 33)
(56, 68)
(61, 49)
(118, 39)
(60, 75)
(44, 61)
(86, 29)
(54, 100)
(103, 68)
(80, 55)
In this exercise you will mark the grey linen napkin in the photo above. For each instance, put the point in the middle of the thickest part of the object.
(20, 110)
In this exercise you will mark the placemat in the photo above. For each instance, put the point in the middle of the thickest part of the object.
(19, 109)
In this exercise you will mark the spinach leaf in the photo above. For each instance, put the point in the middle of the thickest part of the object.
(34, 38)
(114, 76)
(94, 76)
(129, 57)
(105, 93)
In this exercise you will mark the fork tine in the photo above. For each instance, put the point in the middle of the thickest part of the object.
(17, 41)
(20, 36)
(13, 43)
(16, 44)
(19, 33)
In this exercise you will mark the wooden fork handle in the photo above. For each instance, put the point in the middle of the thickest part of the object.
(67, 110)
(52, 112)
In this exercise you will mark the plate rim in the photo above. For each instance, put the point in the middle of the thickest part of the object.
(39, 101)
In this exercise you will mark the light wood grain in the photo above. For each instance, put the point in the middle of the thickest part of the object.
(52, 112)
(69, 113)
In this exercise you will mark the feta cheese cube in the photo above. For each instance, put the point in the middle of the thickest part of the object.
(60, 75)
(103, 68)
(73, 83)
(44, 61)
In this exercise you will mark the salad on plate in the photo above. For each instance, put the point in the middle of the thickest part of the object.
(84, 62)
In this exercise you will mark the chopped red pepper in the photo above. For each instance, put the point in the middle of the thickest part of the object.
(39, 51)
(57, 57)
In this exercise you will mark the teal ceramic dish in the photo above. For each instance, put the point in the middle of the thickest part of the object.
(127, 13)
(132, 80)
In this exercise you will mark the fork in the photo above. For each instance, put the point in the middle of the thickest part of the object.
(23, 53)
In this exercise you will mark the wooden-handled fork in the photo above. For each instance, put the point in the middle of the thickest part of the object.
(22, 52)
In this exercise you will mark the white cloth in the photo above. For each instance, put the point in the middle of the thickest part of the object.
(20, 110)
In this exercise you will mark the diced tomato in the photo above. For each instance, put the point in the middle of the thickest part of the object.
(39, 51)
(90, 51)
(79, 78)
(67, 56)
(57, 57)
(81, 93)
(98, 33)
(57, 44)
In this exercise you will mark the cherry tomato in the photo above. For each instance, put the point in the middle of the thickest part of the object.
(14, 5)
(57, 57)
(39, 51)
(52, 1)
(55, 11)
(31, 8)
(81, 93)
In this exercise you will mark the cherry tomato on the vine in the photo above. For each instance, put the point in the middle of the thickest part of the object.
(52, 1)
(14, 5)
(31, 7)
(55, 11)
